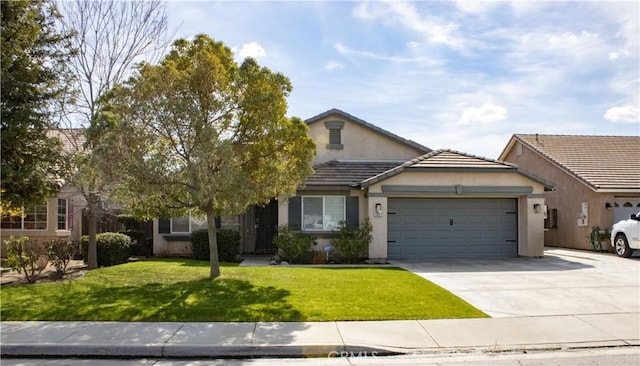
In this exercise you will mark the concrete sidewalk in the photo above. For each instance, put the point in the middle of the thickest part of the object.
(274, 339)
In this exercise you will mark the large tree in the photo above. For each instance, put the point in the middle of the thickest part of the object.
(199, 134)
(110, 36)
(33, 83)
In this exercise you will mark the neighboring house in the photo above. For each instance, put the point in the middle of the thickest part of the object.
(422, 204)
(59, 216)
(597, 180)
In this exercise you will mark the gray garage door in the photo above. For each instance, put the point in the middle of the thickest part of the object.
(452, 228)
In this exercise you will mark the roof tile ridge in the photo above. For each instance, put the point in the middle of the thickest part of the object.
(495, 161)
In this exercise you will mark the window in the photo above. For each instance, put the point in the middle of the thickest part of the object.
(180, 225)
(335, 134)
(335, 137)
(62, 214)
(33, 218)
(186, 224)
(322, 213)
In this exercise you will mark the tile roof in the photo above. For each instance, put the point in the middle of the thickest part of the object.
(337, 112)
(601, 162)
(348, 172)
(455, 159)
(451, 160)
(72, 139)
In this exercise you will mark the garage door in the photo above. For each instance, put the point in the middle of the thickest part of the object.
(452, 228)
(623, 207)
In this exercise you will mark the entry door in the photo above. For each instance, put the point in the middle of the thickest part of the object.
(266, 227)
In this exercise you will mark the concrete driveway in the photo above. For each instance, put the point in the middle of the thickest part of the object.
(564, 282)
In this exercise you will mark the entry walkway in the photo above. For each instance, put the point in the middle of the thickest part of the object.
(322, 339)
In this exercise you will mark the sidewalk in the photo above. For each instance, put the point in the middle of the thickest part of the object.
(274, 339)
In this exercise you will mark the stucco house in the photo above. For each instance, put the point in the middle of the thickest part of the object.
(597, 180)
(421, 203)
(59, 217)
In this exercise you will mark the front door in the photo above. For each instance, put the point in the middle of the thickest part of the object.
(266, 227)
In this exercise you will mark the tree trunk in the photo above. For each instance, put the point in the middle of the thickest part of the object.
(213, 244)
(92, 253)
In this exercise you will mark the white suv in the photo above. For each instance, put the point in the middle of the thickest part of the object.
(625, 236)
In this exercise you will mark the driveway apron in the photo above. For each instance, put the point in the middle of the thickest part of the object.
(563, 282)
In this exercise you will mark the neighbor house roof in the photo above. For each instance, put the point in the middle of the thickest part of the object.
(604, 163)
(72, 139)
(336, 112)
(342, 173)
(452, 161)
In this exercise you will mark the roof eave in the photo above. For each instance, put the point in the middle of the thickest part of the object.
(508, 148)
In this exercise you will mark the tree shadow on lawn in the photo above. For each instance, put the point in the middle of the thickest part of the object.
(212, 300)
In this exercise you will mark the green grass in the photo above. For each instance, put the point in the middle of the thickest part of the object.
(180, 290)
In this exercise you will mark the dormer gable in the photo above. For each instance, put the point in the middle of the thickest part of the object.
(341, 136)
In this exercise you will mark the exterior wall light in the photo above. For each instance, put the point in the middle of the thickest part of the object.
(537, 208)
(378, 209)
(608, 206)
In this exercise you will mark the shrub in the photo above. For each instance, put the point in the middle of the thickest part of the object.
(139, 245)
(113, 248)
(26, 257)
(228, 244)
(352, 242)
(59, 253)
(294, 247)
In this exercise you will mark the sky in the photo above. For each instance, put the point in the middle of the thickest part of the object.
(461, 75)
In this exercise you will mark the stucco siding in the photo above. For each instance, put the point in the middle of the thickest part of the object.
(461, 178)
(567, 198)
(359, 143)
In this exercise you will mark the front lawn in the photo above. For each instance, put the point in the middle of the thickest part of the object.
(180, 290)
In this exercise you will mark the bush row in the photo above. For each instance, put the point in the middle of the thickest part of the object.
(30, 257)
(349, 245)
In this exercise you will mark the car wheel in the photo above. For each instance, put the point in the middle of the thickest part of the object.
(622, 246)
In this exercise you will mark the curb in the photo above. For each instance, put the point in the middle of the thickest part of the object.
(186, 351)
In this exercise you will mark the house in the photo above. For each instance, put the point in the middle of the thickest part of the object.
(62, 216)
(597, 180)
(421, 203)
(58, 217)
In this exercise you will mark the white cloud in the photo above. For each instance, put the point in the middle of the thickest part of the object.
(624, 114)
(251, 49)
(332, 65)
(346, 51)
(475, 6)
(443, 33)
(434, 30)
(615, 55)
(486, 113)
(578, 43)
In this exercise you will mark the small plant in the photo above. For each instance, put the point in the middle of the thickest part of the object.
(294, 247)
(26, 257)
(352, 242)
(59, 253)
(113, 248)
(228, 245)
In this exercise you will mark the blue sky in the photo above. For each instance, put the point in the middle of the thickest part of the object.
(462, 75)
